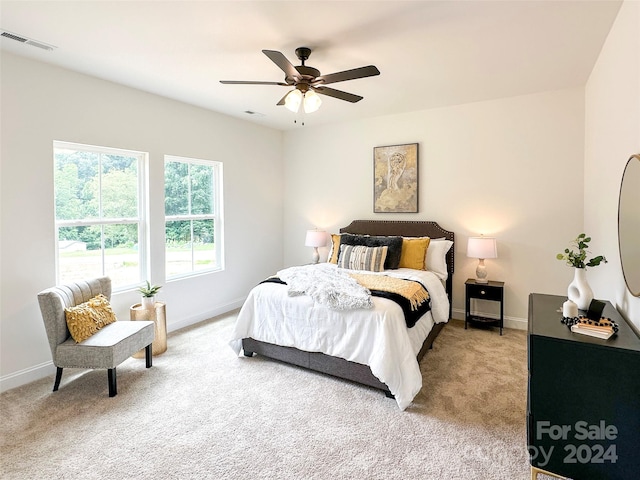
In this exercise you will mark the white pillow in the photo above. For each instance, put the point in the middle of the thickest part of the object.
(436, 259)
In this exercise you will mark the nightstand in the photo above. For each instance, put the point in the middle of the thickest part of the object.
(493, 291)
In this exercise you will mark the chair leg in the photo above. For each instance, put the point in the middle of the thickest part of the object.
(58, 378)
(113, 387)
(148, 354)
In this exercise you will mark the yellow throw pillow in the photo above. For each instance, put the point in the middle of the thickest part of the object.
(414, 251)
(335, 248)
(87, 318)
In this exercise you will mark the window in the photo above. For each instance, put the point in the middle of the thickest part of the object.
(99, 213)
(193, 216)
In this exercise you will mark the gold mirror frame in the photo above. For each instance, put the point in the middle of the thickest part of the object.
(629, 224)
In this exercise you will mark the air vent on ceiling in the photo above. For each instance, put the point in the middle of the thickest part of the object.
(26, 41)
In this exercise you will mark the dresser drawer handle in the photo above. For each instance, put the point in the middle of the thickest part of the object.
(482, 292)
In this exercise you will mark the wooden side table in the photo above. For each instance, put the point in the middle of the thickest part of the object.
(493, 291)
(158, 315)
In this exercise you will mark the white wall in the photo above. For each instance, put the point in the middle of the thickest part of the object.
(42, 103)
(512, 168)
(612, 136)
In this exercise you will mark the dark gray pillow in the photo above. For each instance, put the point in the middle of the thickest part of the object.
(394, 251)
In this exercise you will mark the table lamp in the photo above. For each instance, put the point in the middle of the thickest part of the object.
(482, 248)
(315, 239)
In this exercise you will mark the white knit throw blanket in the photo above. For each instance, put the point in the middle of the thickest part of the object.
(327, 285)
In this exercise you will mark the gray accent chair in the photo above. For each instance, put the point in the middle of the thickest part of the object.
(107, 348)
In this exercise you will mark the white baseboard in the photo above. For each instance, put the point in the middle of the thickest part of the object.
(31, 374)
(222, 309)
(27, 375)
(509, 322)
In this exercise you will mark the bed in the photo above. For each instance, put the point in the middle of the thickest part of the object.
(374, 348)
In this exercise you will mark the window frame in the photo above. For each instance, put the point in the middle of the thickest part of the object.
(142, 215)
(216, 216)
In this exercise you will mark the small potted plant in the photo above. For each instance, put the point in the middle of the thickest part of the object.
(579, 290)
(148, 292)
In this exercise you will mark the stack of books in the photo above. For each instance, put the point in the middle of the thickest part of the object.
(603, 328)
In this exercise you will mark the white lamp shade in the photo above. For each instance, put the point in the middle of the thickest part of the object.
(311, 102)
(293, 100)
(315, 238)
(482, 247)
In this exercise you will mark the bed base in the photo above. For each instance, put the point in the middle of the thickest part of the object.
(320, 362)
(339, 367)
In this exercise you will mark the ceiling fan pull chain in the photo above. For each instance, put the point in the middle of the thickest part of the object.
(299, 117)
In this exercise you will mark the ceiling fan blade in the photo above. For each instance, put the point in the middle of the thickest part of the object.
(242, 82)
(332, 92)
(281, 61)
(281, 102)
(361, 72)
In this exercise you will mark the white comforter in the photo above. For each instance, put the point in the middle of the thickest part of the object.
(377, 337)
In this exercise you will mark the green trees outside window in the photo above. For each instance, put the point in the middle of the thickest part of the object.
(192, 210)
(97, 203)
(100, 197)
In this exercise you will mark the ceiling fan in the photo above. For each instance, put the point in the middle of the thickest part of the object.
(307, 81)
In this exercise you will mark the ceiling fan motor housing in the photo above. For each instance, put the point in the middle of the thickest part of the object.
(303, 53)
(308, 73)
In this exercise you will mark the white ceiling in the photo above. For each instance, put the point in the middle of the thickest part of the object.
(430, 53)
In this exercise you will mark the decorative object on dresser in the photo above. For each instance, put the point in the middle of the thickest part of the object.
(315, 239)
(583, 408)
(579, 290)
(395, 172)
(482, 248)
(148, 292)
(402, 335)
(594, 324)
(569, 309)
(629, 224)
(491, 290)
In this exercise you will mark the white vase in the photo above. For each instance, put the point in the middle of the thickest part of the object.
(579, 290)
(148, 303)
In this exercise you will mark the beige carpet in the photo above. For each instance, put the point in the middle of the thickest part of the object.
(202, 412)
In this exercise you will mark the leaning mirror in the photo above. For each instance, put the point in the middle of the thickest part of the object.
(629, 225)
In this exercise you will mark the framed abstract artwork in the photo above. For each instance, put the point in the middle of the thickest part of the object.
(395, 179)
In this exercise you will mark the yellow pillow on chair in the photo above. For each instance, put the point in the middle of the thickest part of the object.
(87, 318)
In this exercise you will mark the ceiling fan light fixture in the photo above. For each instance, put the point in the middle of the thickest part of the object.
(311, 102)
(293, 100)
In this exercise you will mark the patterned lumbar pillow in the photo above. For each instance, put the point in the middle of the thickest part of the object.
(359, 257)
(87, 318)
(414, 252)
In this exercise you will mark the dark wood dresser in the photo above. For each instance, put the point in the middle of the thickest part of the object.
(583, 405)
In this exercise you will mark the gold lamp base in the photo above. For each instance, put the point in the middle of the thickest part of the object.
(158, 315)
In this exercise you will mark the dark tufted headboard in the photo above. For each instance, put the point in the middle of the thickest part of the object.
(405, 228)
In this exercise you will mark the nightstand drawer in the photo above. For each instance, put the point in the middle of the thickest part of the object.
(485, 292)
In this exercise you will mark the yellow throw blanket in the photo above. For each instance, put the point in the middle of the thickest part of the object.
(409, 289)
